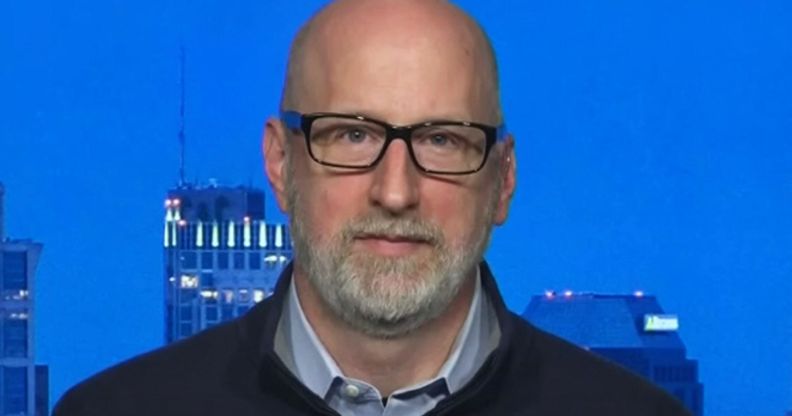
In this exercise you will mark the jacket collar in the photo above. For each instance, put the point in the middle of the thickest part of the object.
(257, 331)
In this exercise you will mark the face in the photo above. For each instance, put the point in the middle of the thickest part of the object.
(387, 249)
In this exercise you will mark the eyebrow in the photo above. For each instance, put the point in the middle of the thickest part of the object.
(381, 117)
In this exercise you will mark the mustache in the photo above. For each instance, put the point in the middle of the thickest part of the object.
(408, 228)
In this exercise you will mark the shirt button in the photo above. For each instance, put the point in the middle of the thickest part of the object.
(351, 391)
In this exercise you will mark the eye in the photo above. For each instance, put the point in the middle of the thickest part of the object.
(439, 140)
(354, 135)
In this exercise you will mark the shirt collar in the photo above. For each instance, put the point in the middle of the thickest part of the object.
(316, 369)
(471, 346)
(313, 365)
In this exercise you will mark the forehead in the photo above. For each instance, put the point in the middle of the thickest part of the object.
(401, 64)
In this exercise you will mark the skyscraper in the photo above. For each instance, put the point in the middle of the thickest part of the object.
(23, 384)
(221, 256)
(631, 330)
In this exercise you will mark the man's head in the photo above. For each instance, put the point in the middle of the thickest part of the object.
(388, 247)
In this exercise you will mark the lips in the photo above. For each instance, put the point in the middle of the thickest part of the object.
(391, 245)
(394, 238)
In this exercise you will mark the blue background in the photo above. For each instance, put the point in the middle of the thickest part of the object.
(654, 149)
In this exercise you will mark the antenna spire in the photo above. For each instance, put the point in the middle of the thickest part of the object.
(182, 141)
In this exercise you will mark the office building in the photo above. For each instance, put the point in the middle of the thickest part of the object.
(23, 384)
(631, 330)
(221, 256)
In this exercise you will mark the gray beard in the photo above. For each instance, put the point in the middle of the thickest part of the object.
(386, 297)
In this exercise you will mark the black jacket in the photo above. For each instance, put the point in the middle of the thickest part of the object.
(232, 369)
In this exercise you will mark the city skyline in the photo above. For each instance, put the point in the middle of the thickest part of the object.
(632, 330)
(652, 143)
(221, 255)
(24, 383)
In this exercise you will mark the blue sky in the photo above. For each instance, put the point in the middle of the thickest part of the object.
(654, 143)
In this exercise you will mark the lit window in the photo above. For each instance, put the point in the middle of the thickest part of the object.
(228, 296)
(166, 236)
(247, 237)
(215, 235)
(18, 315)
(262, 240)
(199, 235)
(209, 294)
(278, 236)
(258, 295)
(231, 234)
(189, 282)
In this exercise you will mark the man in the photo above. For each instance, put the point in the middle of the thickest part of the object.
(391, 158)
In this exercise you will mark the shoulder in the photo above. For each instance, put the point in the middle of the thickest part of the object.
(168, 380)
(565, 376)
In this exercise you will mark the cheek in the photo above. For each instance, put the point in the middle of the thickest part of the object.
(329, 203)
(457, 209)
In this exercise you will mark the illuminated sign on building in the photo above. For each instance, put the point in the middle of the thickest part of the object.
(660, 323)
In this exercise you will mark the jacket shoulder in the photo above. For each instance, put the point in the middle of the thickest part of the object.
(155, 382)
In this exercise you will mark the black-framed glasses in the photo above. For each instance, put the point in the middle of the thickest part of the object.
(358, 142)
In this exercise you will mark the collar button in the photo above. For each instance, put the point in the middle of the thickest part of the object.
(352, 391)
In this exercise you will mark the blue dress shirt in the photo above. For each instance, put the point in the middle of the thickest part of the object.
(303, 353)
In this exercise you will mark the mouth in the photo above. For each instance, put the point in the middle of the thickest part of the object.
(392, 245)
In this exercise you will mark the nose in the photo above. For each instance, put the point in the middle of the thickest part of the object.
(394, 187)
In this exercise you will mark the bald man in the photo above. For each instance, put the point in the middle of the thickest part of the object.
(392, 161)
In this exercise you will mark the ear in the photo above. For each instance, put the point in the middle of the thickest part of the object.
(274, 150)
(507, 170)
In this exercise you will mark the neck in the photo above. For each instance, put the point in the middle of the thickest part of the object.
(387, 364)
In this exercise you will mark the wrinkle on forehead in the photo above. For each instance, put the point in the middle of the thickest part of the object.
(347, 26)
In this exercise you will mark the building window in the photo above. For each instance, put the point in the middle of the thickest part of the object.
(15, 334)
(271, 260)
(244, 296)
(186, 313)
(258, 295)
(188, 281)
(15, 270)
(187, 296)
(189, 260)
(15, 394)
(227, 312)
(239, 260)
(207, 279)
(222, 260)
(186, 329)
(207, 260)
(254, 261)
(211, 313)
